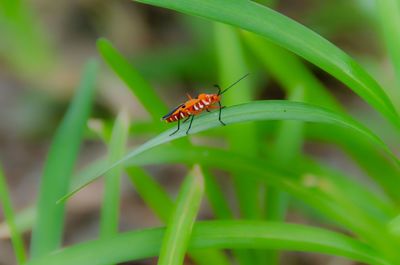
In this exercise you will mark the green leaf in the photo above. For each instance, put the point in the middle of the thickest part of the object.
(47, 232)
(254, 111)
(132, 78)
(151, 192)
(217, 200)
(8, 212)
(277, 61)
(264, 171)
(159, 201)
(111, 203)
(232, 66)
(180, 224)
(293, 36)
(216, 234)
(389, 17)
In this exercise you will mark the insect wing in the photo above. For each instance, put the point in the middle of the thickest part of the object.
(172, 111)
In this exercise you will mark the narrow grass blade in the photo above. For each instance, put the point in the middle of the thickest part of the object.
(8, 212)
(215, 196)
(286, 148)
(180, 224)
(112, 193)
(315, 196)
(293, 36)
(24, 44)
(24, 221)
(217, 234)
(232, 65)
(265, 172)
(151, 192)
(382, 170)
(162, 205)
(135, 82)
(318, 174)
(254, 111)
(389, 17)
(277, 61)
(47, 232)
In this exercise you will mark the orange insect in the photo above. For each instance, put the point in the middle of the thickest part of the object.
(195, 106)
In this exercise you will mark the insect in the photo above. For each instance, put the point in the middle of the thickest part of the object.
(195, 106)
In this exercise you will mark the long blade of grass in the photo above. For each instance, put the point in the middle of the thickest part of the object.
(135, 82)
(24, 221)
(232, 65)
(8, 211)
(287, 147)
(277, 61)
(47, 232)
(23, 44)
(316, 196)
(254, 111)
(364, 153)
(263, 171)
(293, 36)
(151, 192)
(180, 224)
(216, 234)
(162, 205)
(298, 173)
(215, 196)
(112, 193)
(389, 17)
(319, 174)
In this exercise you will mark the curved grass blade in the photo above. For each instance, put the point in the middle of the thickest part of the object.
(217, 234)
(389, 16)
(179, 227)
(277, 61)
(215, 196)
(232, 65)
(152, 193)
(364, 153)
(265, 171)
(159, 201)
(293, 36)
(109, 219)
(254, 111)
(132, 78)
(135, 82)
(16, 238)
(47, 232)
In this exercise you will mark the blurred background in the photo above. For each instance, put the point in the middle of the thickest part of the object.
(43, 47)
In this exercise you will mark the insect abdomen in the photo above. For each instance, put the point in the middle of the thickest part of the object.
(176, 116)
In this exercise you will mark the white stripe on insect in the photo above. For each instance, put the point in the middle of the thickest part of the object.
(205, 102)
(195, 107)
(200, 105)
(182, 115)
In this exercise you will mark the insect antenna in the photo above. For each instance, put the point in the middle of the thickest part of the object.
(226, 89)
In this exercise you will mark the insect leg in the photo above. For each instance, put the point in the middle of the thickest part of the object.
(219, 89)
(220, 111)
(176, 129)
(186, 119)
(190, 124)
